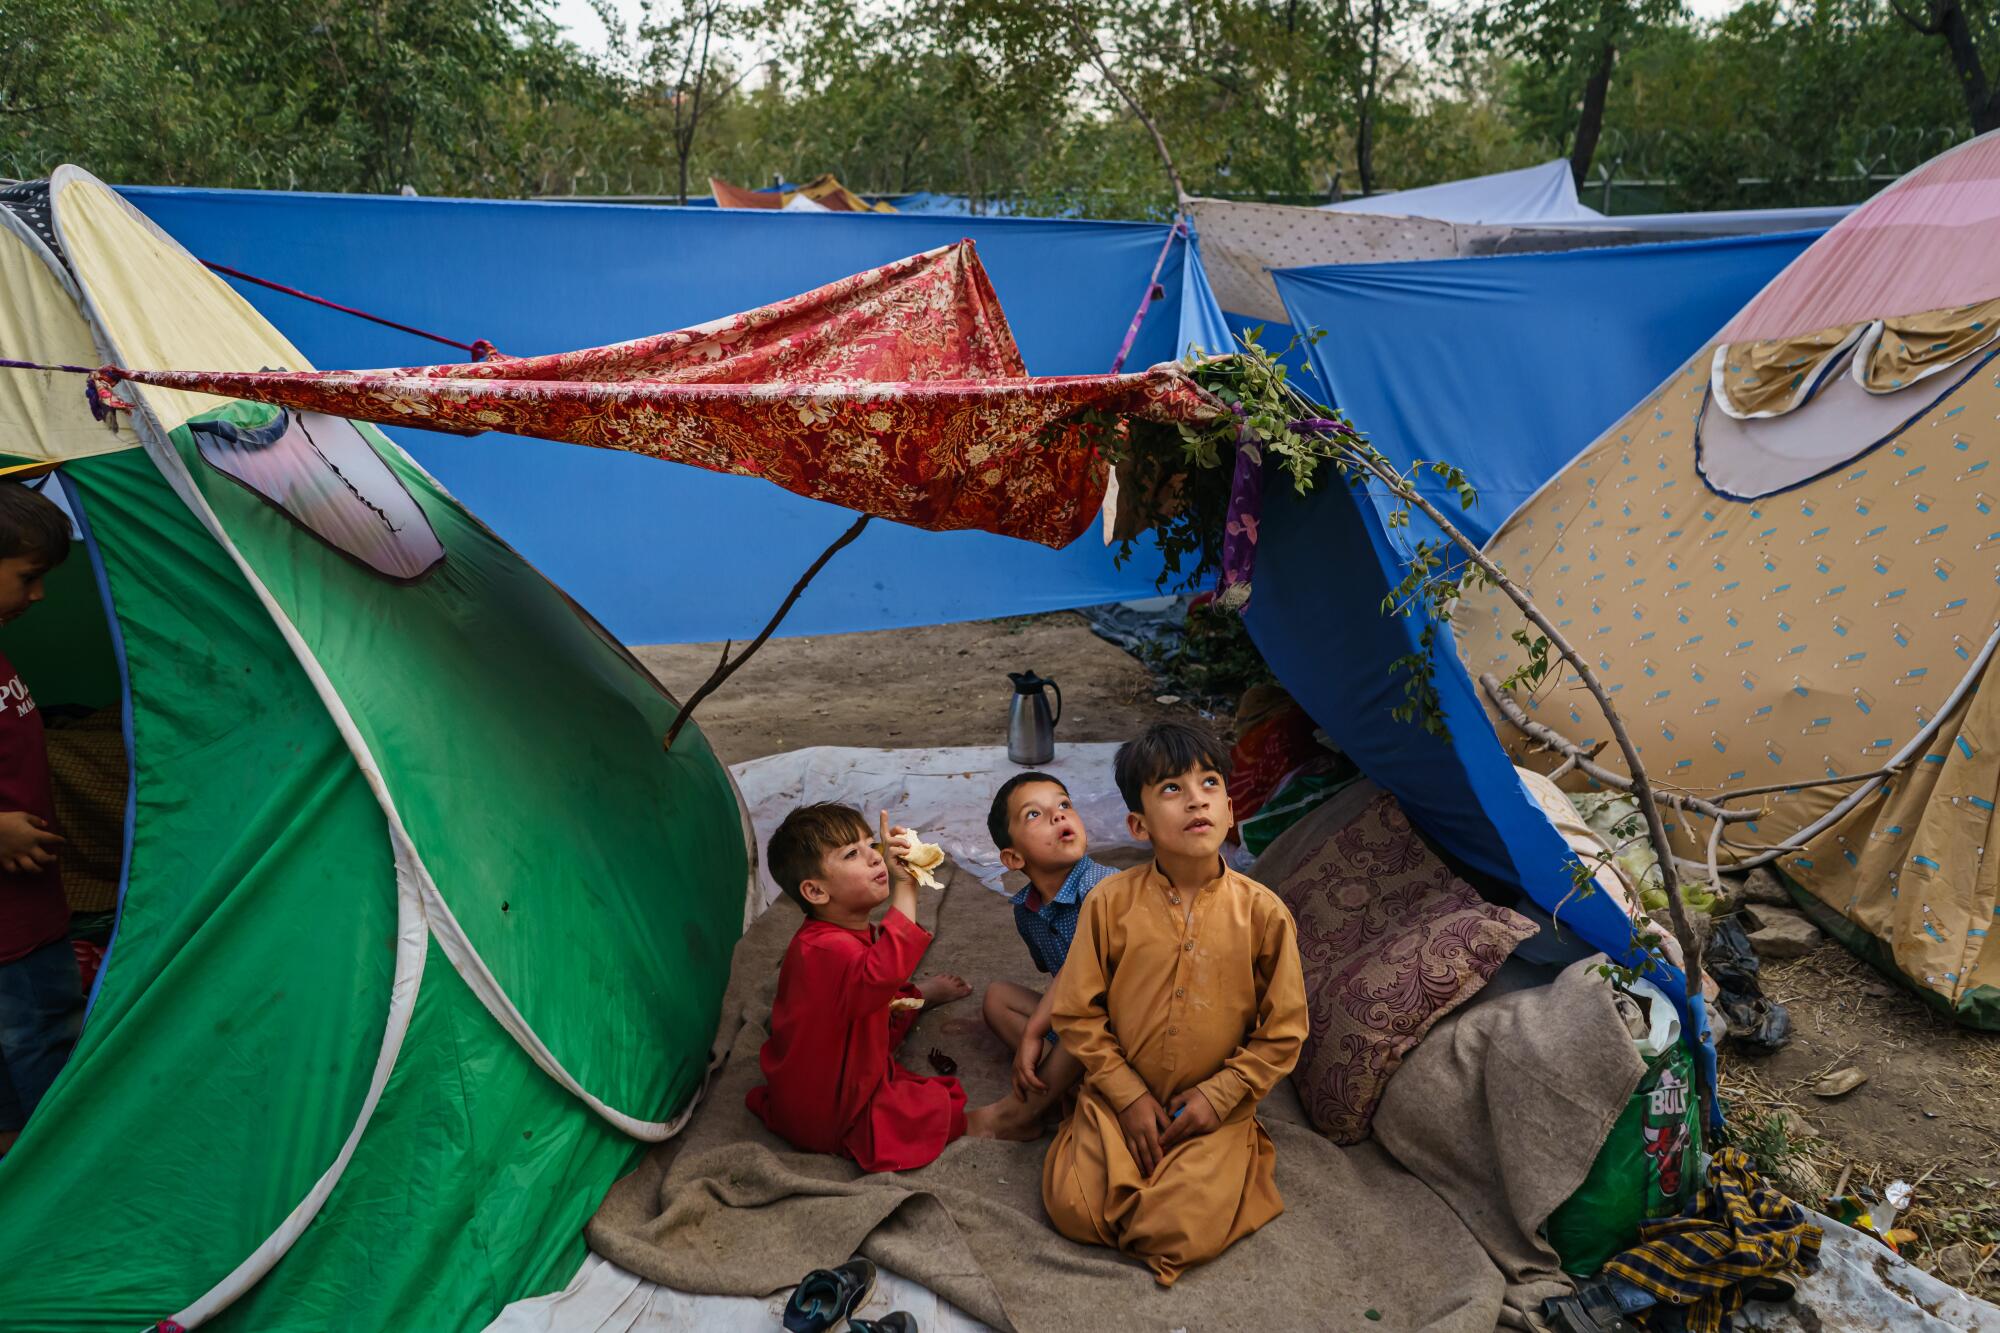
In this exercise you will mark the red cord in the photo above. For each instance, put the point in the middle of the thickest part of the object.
(479, 350)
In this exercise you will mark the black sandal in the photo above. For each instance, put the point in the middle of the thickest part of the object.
(896, 1321)
(826, 1296)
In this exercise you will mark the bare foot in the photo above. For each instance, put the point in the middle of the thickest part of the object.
(942, 989)
(1009, 1119)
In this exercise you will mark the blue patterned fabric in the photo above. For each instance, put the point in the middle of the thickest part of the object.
(1047, 931)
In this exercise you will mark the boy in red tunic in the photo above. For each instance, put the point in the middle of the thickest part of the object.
(845, 1001)
(41, 999)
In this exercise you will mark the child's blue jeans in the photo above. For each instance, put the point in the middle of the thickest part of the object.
(41, 1011)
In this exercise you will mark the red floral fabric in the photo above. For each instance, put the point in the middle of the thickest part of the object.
(1267, 753)
(1391, 942)
(898, 392)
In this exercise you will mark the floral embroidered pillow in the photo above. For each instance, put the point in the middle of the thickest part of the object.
(1391, 941)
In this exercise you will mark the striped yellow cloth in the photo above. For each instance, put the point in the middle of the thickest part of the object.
(1738, 1228)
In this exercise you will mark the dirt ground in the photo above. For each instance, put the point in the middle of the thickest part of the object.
(897, 689)
(1928, 1114)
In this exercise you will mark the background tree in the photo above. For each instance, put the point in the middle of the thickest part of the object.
(1375, 67)
(687, 73)
(1567, 52)
(1780, 102)
(320, 94)
(1963, 26)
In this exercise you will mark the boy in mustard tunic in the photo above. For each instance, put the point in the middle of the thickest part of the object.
(1184, 1001)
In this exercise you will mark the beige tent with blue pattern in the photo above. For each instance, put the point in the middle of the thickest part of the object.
(1786, 565)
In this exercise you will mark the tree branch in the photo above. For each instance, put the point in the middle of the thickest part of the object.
(1097, 58)
(1931, 27)
(726, 668)
(1580, 758)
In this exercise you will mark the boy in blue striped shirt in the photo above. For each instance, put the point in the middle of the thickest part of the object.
(1040, 835)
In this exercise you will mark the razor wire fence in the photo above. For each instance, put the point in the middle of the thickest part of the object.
(1648, 171)
(1682, 170)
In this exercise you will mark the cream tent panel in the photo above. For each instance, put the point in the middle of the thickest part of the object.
(1808, 590)
(43, 414)
(1242, 243)
(1812, 633)
(171, 313)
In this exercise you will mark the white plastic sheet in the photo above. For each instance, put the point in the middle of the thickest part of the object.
(1862, 1287)
(604, 1298)
(1544, 194)
(943, 793)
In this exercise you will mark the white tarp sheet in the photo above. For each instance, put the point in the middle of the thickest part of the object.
(943, 793)
(1546, 193)
(604, 1298)
(1863, 1287)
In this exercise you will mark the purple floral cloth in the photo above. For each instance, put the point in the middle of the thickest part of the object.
(1391, 941)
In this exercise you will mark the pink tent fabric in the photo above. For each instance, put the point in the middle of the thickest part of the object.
(1925, 243)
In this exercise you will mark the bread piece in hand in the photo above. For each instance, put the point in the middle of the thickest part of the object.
(922, 859)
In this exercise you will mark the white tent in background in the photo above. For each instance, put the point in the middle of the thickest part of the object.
(1543, 194)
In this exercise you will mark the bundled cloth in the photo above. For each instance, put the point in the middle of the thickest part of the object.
(824, 192)
(87, 770)
(1697, 1266)
(898, 392)
(1274, 739)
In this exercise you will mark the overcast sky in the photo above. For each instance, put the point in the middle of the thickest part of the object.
(588, 29)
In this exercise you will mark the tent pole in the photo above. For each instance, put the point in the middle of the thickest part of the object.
(727, 667)
(1153, 293)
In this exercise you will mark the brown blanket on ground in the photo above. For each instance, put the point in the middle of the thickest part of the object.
(1503, 1108)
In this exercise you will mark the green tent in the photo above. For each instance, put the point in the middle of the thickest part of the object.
(421, 933)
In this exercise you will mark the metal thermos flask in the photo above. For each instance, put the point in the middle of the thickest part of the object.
(1031, 728)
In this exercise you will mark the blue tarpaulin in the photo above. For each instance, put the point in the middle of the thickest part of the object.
(1279, 340)
(1510, 365)
(663, 553)
(668, 553)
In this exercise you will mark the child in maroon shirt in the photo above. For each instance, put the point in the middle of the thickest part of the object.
(845, 1001)
(40, 991)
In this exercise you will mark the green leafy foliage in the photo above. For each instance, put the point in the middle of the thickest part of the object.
(327, 96)
(1191, 467)
(1534, 668)
(1211, 658)
(1780, 101)
(1188, 471)
(1777, 104)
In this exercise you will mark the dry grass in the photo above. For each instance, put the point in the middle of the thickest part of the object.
(1802, 1162)
(1949, 1149)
